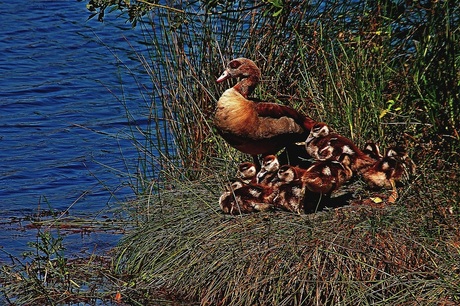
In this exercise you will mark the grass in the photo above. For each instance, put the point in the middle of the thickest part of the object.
(359, 254)
(49, 275)
(373, 70)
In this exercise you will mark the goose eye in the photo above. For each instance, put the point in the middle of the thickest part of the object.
(234, 64)
(320, 129)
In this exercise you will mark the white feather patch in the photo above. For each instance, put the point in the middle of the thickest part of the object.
(385, 166)
(347, 150)
(254, 192)
(326, 171)
(296, 191)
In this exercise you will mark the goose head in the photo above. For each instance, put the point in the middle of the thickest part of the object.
(246, 70)
(246, 171)
(270, 163)
(318, 130)
(287, 174)
(267, 174)
(372, 150)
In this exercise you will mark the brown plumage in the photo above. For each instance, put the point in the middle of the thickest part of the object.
(247, 172)
(372, 150)
(243, 198)
(400, 153)
(326, 176)
(395, 166)
(268, 174)
(225, 200)
(323, 144)
(290, 189)
(255, 127)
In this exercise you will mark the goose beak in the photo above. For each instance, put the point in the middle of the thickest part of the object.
(225, 75)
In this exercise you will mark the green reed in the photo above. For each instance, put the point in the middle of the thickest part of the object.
(346, 64)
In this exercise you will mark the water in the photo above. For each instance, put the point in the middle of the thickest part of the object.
(62, 125)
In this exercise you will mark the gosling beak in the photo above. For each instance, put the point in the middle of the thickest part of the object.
(309, 139)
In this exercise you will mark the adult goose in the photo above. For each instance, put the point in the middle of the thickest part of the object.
(252, 127)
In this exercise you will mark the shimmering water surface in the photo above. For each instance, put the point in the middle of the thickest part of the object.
(62, 125)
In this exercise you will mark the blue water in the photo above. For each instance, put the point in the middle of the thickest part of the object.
(62, 123)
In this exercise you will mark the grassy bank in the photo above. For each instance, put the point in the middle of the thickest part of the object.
(373, 70)
(360, 254)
